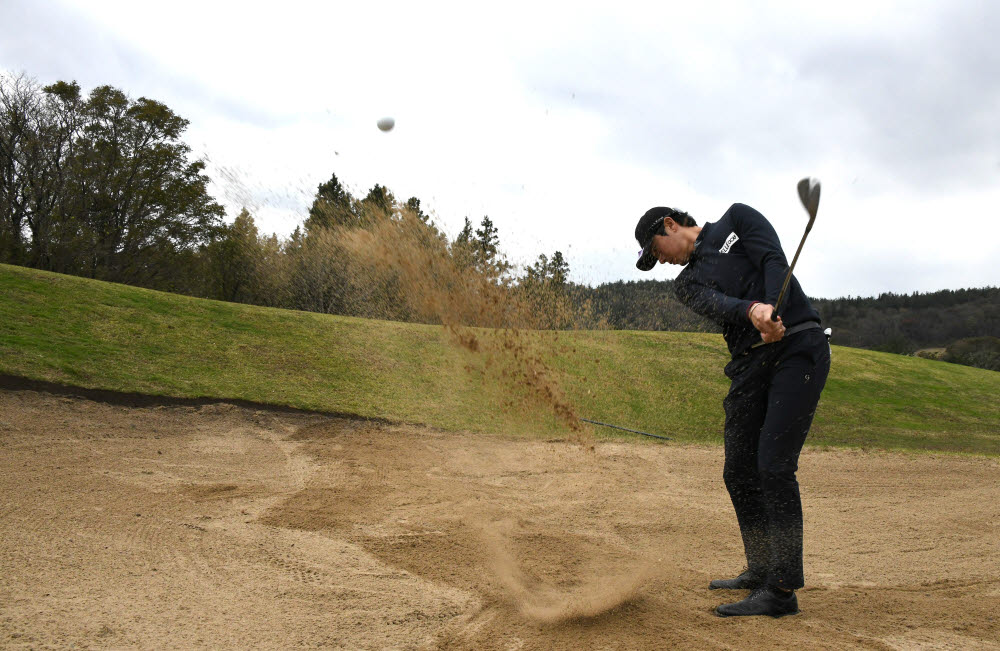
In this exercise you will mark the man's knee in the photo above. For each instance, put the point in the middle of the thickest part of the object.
(776, 472)
(737, 475)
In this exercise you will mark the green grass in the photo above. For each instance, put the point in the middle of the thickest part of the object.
(105, 336)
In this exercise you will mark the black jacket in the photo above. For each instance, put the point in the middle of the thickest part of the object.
(738, 260)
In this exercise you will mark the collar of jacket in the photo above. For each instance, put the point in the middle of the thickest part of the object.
(697, 246)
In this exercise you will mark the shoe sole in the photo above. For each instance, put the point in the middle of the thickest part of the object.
(795, 612)
(719, 587)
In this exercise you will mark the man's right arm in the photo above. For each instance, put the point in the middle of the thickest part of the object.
(710, 302)
(720, 307)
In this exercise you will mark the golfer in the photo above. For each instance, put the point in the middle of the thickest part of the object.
(733, 272)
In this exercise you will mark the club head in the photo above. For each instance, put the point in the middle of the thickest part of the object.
(809, 194)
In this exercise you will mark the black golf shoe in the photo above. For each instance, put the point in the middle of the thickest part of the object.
(746, 581)
(762, 601)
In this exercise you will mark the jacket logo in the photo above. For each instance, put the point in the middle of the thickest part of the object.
(730, 241)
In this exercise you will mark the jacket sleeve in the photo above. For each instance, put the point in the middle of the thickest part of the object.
(710, 302)
(762, 246)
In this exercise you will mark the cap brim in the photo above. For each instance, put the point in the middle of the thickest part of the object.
(647, 260)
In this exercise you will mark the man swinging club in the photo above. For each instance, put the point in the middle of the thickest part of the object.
(733, 273)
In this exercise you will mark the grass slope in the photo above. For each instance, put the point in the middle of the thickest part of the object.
(106, 336)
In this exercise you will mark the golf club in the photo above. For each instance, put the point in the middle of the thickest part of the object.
(809, 194)
(634, 431)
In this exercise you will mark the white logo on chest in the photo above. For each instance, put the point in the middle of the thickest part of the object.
(730, 241)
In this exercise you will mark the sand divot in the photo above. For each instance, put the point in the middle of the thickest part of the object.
(545, 603)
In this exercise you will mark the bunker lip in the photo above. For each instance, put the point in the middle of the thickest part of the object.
(144, 400)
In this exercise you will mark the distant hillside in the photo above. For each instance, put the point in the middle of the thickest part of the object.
(897, 323)
(640, 305)
(905, 323)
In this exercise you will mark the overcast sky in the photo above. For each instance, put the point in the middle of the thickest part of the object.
(564, 123)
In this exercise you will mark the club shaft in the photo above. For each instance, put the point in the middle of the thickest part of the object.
(634, 431)
(788, 276)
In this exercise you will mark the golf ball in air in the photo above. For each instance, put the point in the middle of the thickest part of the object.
(386, 124)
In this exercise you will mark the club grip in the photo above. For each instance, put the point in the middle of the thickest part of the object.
(781, 297)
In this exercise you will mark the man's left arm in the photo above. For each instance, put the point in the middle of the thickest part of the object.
(762, 246)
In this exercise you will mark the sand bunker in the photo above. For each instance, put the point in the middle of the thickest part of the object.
(224, 527)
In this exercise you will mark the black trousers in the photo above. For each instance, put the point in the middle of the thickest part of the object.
(770, 406)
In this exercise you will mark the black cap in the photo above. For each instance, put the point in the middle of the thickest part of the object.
(649, 225)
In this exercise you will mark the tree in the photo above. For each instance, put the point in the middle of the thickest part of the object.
(428, 235)
(101, 186)
(378, 203)
(538, 272)
(982, 352)
(559, 269)
(413, 205)
(462, 248)
(333, 206)
(133, 189)
(480, 250)
(36, 136)
(544, 291)
(464, 237)
(553, 273)
(234, 260)
(61, 121)
(487, 242)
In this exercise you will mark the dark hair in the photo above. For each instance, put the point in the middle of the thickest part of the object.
(681, 217)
